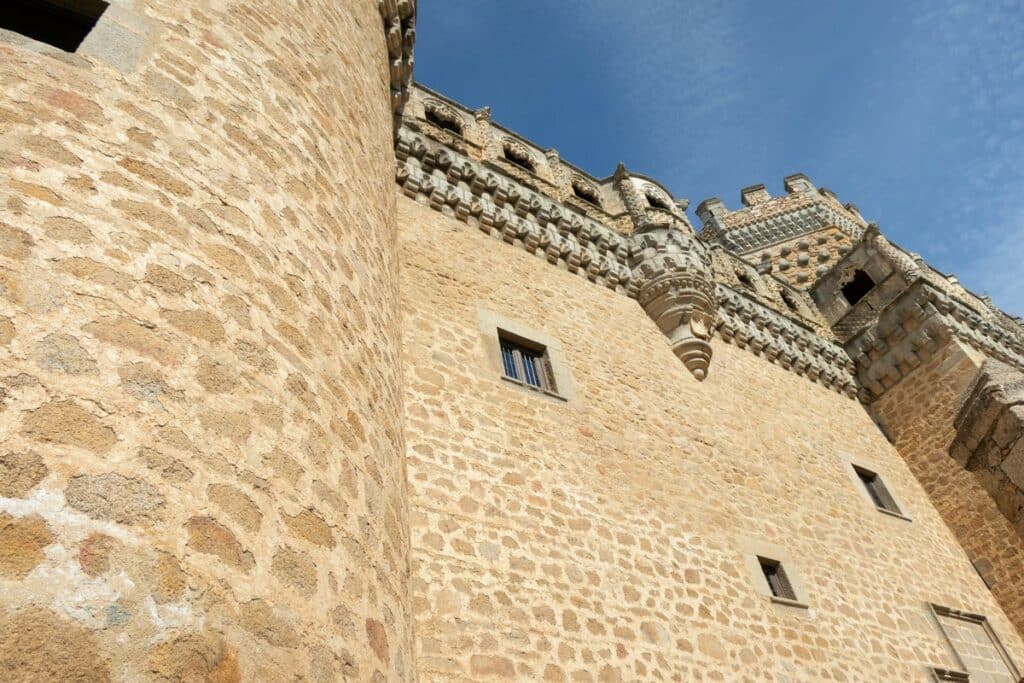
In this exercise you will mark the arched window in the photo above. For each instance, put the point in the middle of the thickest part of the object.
(443, 118)
(586, 192)
(858, 287)
(656, 201)
(744, 279)
(519, 156)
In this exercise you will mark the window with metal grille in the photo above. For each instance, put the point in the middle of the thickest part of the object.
(63, 24)
(526, 363)
(981, 655)
(877, 491)
(777, 580)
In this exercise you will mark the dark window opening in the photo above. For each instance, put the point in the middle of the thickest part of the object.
(880, 495)
(777, 580)
(444, 120)
(657, 202)
(519, 158)
(586, 193)
(527, 363)
(744, 279)
(858, 288)
(64, 24)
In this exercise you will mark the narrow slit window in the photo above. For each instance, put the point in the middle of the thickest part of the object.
(64, 24)
(858, 288)
(777, 580)
(876, 489)
(527, 364)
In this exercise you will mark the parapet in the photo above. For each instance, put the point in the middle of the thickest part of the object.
(626, 232)
(766, 221)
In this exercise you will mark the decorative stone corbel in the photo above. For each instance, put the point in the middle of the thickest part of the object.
(673, 280)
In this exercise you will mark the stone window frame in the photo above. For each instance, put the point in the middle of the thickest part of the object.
(120, 39)
(494, 325)
(852, 464)
(942, 674)
(754, 552)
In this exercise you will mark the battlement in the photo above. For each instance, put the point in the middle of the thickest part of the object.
(474, 133)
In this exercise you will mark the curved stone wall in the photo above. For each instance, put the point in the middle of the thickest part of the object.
(201, 472)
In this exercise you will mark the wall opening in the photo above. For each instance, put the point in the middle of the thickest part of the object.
(444, 120)
(778, 581)
(519, 157)
(586, 192)
(858, 288)
(64, 24)
(657, 202)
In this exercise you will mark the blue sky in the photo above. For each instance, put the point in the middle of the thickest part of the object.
(913, 110)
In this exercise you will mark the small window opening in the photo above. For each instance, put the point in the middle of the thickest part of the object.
(744, 278)
(586, 193)
(656, 202)
(527, 363)
(777, 580)
(876, 489)
(858, 288)
(519, 157)
(444, 120)
(64, 24)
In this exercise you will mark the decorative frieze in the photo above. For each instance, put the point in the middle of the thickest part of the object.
(750, 324)
(775, 228)
(663, 264)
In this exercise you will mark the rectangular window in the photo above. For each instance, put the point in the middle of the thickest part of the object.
(777, 580)
(877, 491)
(975, 644)
(63, 24)
(526, 363)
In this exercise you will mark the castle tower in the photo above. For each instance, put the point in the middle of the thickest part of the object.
(797, 237)
(201, 451)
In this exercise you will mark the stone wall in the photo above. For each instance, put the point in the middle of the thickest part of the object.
(921, 414)
(200, 433)
(608, 537)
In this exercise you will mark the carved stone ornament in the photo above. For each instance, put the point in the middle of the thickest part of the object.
(676, 289)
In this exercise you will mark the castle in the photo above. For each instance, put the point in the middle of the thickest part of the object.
(310, 373)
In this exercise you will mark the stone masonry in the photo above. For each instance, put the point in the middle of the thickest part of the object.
(256, 423)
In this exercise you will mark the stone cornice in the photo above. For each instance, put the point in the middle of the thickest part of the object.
(501, 207)
(656, 262)
(399, 18)
(749, 324)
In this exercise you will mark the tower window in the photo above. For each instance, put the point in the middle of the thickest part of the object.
(520, 157)
(444, 120)
(876, 489)
(777, 580)
(744, 278)
(858, 288)
(586, 192)
(526, 363)
(64, 24)
(657, 202)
